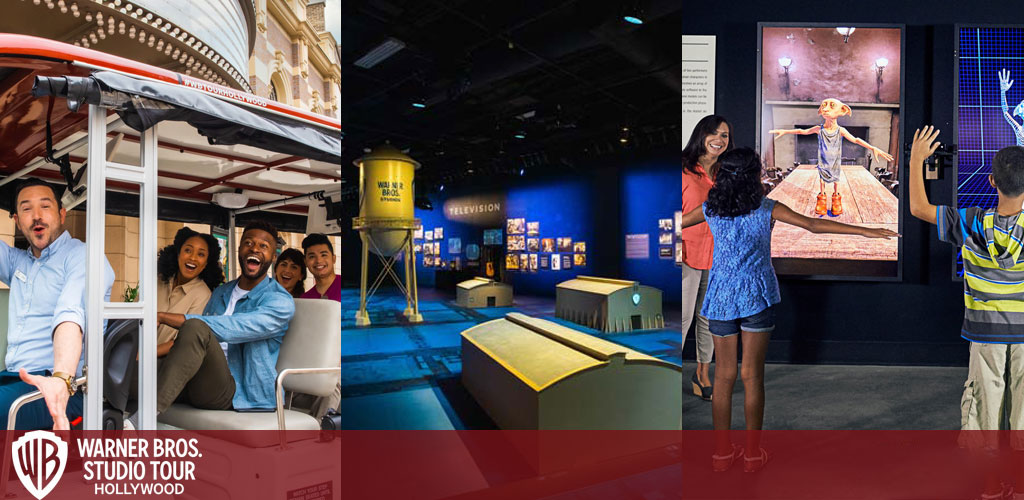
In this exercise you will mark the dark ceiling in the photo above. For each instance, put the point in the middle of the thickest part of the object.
(571, 76)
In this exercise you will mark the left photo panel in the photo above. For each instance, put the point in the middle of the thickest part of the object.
(170, 250)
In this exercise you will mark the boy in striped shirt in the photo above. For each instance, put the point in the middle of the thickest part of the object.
(991, 244)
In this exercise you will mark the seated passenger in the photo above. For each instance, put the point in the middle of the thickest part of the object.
(320, 261)
(251, 314)
(290, 271)
(185, 279)
(46, 311)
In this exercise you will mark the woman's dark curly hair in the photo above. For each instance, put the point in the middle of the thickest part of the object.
(294, 255)
(737, 190)
(695, 146)
(167, 258)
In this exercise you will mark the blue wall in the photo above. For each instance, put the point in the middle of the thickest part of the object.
(651, 191)
(564, 208)
(622, 196)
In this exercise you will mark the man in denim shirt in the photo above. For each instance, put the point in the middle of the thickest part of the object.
(251, 314)
(46, 311)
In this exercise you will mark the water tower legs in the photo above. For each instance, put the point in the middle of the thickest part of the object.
(412, 309)
(363, 317)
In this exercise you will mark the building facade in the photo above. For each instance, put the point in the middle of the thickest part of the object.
(295, 60)
(271, 48)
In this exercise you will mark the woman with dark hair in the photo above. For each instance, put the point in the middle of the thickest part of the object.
(743, 290)
(188, 269)
(290, 271)
(710, 138)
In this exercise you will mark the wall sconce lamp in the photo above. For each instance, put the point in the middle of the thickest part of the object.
(786, 62)
(880, 65)
(846, 32)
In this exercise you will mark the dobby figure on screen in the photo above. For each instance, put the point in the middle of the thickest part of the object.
(830, 150)
(1004, 84)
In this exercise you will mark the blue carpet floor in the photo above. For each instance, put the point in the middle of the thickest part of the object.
(400, 375)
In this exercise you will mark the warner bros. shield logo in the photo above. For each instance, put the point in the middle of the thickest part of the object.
(39, 459)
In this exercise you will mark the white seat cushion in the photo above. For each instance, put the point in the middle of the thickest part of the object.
(188, 417)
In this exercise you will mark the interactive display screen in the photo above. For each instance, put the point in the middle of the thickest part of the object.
(829, 135)
(493, 237)
(990, 109)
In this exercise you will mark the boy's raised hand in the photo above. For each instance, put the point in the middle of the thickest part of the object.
(924, 144)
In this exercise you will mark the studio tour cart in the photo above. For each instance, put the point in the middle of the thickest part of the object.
(143, 133)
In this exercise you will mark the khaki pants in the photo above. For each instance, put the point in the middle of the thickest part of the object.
(195, 371)
(695, 285)
(995, 385)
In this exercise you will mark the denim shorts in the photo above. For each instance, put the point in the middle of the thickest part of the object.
(763, 321)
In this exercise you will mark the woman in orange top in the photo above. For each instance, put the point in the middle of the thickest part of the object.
(710, 138)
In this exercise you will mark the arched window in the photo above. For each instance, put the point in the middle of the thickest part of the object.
(273, 92)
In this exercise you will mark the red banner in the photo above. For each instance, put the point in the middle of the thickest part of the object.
(670, 465)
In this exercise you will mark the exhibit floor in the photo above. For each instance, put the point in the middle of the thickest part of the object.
(844, 397)
(397, 375)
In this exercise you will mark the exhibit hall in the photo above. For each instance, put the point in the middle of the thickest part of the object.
(886, 137)
(515, 167)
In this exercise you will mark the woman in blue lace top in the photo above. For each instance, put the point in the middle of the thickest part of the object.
(742, 292)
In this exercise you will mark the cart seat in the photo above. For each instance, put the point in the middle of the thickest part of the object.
(313, 341)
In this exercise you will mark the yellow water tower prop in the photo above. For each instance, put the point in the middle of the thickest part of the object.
(386, 224)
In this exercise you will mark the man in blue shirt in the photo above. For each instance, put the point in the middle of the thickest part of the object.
(46, 311)
(251, 314)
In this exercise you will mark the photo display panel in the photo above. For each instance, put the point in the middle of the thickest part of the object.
(990, 109)
(829, 136)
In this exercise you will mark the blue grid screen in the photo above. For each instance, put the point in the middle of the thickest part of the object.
(983, 127)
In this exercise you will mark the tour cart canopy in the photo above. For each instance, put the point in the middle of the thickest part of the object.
(212, 138)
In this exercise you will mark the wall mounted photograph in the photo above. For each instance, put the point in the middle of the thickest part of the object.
(516, 226)
(533, 228)
(516, 242)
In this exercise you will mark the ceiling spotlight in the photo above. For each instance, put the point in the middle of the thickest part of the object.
(419, 103)
(633, 13)
(520, 135)
(442, 188)
(522, 171)
(423, 203)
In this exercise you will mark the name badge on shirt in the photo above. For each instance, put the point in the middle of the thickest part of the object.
(21, 276)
